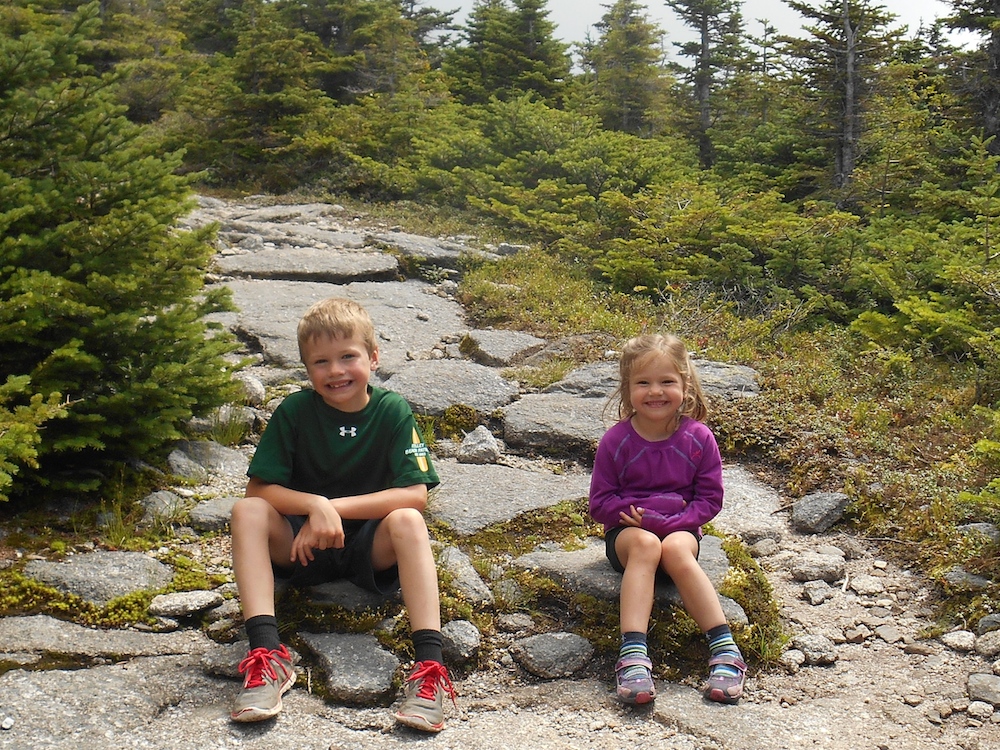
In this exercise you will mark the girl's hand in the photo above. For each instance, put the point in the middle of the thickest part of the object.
(633, 517)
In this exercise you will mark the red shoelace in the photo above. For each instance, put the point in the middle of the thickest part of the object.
(258, 663)
(431, 674)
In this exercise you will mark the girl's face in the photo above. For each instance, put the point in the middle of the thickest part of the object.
(656, 393)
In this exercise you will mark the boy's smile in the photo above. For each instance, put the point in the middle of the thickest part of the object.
(339, 369)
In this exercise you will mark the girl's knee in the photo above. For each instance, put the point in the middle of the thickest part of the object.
(642, 548)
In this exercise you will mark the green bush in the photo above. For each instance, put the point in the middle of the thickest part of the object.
(102, 298)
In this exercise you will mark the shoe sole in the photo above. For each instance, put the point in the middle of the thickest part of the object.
(418, 722)
(638, 699)
(720, 696)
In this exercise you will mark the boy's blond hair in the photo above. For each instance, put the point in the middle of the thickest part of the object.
(638, 351)
(337, 317)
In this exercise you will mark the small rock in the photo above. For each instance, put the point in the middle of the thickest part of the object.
(857, 634)
(817, 512)
(988, 623)
(184, 603)
(817, 649)
(479, 447)
(988, 645)
(979, 710)
(984, 687)
(7, 723)
(552, 655)
(764, 548)
(461, 641)
(959, 640)
(865, 585)
(888, 633)
(817, 592)
(792, 659)
(813, 567)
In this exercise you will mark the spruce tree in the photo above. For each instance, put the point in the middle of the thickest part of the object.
(627, 79)
(715, 55)
(102, 297)
(510, 50)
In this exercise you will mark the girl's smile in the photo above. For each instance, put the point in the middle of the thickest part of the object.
(656, 392)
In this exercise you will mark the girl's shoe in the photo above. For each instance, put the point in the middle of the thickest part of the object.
(638, 686)
(726, 688)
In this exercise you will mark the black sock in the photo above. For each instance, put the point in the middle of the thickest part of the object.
(262, 630)
(427, 645)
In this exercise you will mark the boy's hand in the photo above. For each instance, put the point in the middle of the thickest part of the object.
(324, 529)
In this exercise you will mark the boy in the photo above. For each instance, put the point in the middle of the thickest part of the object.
(337, 488)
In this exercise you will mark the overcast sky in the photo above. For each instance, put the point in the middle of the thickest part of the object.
(575, 18)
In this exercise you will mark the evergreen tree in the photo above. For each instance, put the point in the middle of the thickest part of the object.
(715, 55)
(244, 116)
(102, 298)
(627, 79)
(981, 71)
(509, 50)
(850, 42)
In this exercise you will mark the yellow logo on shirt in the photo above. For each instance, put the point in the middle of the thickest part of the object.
(419, 450)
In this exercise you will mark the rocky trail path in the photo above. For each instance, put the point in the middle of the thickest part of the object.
(859, 672)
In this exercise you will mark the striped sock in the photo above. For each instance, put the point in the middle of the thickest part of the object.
(633, 644)
(720, 641)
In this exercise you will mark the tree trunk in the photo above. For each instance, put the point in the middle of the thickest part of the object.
(848, 149)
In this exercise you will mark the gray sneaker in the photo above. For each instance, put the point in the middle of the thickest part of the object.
(269, 675)
(425, 688)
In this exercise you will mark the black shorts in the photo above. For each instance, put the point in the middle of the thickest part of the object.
(353, 562)
(609, 548)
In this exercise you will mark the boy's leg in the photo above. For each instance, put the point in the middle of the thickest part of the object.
(726, 665)
(260, 534)
(638, 551)
(401, 539)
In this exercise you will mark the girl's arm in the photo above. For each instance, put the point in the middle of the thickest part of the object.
(705, 503)
(606, 504)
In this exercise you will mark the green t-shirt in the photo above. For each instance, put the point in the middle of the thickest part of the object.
(311, 447)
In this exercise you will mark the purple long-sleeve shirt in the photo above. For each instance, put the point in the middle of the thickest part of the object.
(678, 480)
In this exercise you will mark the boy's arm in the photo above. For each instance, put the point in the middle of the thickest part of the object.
(380, 504)
(289, 502)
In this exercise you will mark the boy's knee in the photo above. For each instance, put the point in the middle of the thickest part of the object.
(406, 521)
(247, 510)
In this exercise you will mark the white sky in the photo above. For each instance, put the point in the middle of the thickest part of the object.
(574, 18)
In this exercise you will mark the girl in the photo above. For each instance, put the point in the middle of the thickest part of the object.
(657, 479)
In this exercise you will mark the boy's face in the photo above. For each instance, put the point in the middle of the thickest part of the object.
(339, 369)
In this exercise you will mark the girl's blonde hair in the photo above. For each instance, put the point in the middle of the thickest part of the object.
(640, 350)
(338, 317)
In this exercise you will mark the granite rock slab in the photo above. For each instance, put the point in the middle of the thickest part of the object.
(471, 497)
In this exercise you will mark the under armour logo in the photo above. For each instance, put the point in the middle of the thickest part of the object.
(345, 431)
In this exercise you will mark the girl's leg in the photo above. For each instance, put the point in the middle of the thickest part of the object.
(679, 559)
(639, 553)
(727, 669)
